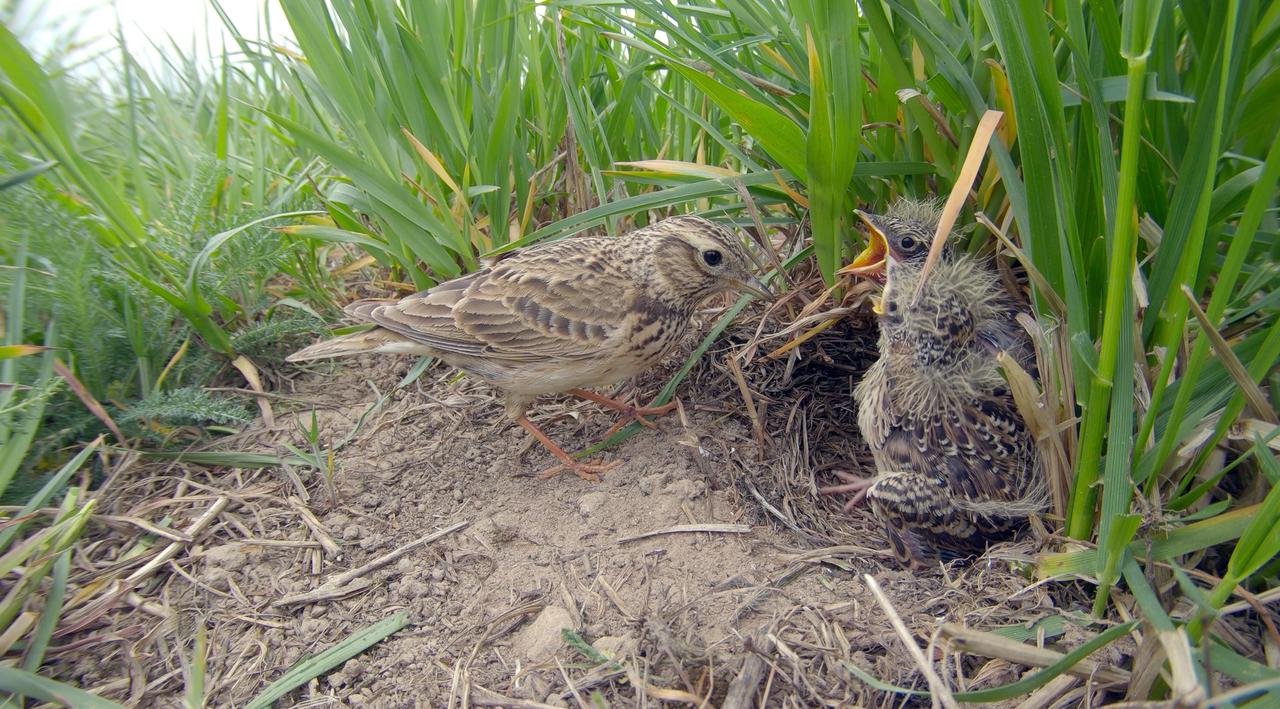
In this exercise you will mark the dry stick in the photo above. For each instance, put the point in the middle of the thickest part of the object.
(172, 535)
(764, 242)
(120, 589)
(742, 690)
(313, 524)
(172, 550)
(485, 697)
(976, 642)
(1050, 692)
(325, 593)
(940, 691)
(346, 577)
(617, 600)
(683, 528)
(749, 401)
(573, 689)
(968, 172)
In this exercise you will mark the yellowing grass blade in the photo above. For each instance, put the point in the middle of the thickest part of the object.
(12, 351)
(250, 372)
(977, 151)
(87, 399)
(432, 161)
(675, 167)
(1257, 400)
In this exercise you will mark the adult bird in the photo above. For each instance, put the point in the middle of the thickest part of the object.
(561, 317)
(955, 463)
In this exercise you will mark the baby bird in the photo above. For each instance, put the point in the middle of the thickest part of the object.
(558, 317)
(955, 462)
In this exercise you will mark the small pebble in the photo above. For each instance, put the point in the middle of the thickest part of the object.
(590, 502)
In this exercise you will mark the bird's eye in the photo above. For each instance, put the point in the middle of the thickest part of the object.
(907, 243)
(712, 257)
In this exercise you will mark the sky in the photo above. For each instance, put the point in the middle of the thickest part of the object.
(191, 24)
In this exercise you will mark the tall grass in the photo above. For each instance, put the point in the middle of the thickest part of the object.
(1135, 172)
(146, 204)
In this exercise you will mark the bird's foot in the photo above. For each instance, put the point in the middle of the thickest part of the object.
(852, 483)
(588, 471)
(638, 413)
(629, 412)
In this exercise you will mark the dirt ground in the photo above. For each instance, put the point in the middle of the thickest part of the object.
(502, 609)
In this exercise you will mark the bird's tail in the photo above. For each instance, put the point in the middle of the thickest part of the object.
(377, 340)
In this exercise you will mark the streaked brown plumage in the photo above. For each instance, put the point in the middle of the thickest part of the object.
(955, 463)
(558, 317)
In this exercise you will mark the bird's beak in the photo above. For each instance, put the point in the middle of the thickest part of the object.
(754, 286)
(871, 262)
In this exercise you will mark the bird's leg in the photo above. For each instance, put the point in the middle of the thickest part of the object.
(629, 412)
(584, 470)
(858, 486)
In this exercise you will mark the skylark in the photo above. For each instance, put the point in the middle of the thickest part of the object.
(562, 316)
(955, 463)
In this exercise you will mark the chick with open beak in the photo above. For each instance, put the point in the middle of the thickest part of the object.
(955, 463)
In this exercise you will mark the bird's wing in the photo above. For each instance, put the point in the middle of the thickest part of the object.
(989, 451)
(981, 451)
(562, 301)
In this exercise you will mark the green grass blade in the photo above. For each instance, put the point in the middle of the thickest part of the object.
(49, 614)
(835, 100)
(55, 484)
(28, 684)
(778, 135)
(1016, 689)
(313, 667)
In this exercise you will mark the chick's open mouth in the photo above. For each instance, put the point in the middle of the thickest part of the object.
(871, 262)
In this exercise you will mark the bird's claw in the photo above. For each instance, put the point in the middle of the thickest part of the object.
(852, 483)
(638, 413)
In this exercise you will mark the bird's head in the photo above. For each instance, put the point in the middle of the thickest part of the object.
(898, 241)
(694, 258)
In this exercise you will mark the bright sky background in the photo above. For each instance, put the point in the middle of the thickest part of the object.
(192, 24)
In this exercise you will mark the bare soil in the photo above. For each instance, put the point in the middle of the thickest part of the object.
(497, 608)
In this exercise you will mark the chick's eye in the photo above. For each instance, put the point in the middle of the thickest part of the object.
(907, 243)
(712, 257)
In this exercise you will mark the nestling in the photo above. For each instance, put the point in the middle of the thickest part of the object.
(562, 316)
(955, 463)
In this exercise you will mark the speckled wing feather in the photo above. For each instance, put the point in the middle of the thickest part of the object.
(560, 301)
(981, 452)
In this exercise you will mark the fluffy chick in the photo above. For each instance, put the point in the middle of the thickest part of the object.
(955, 463)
